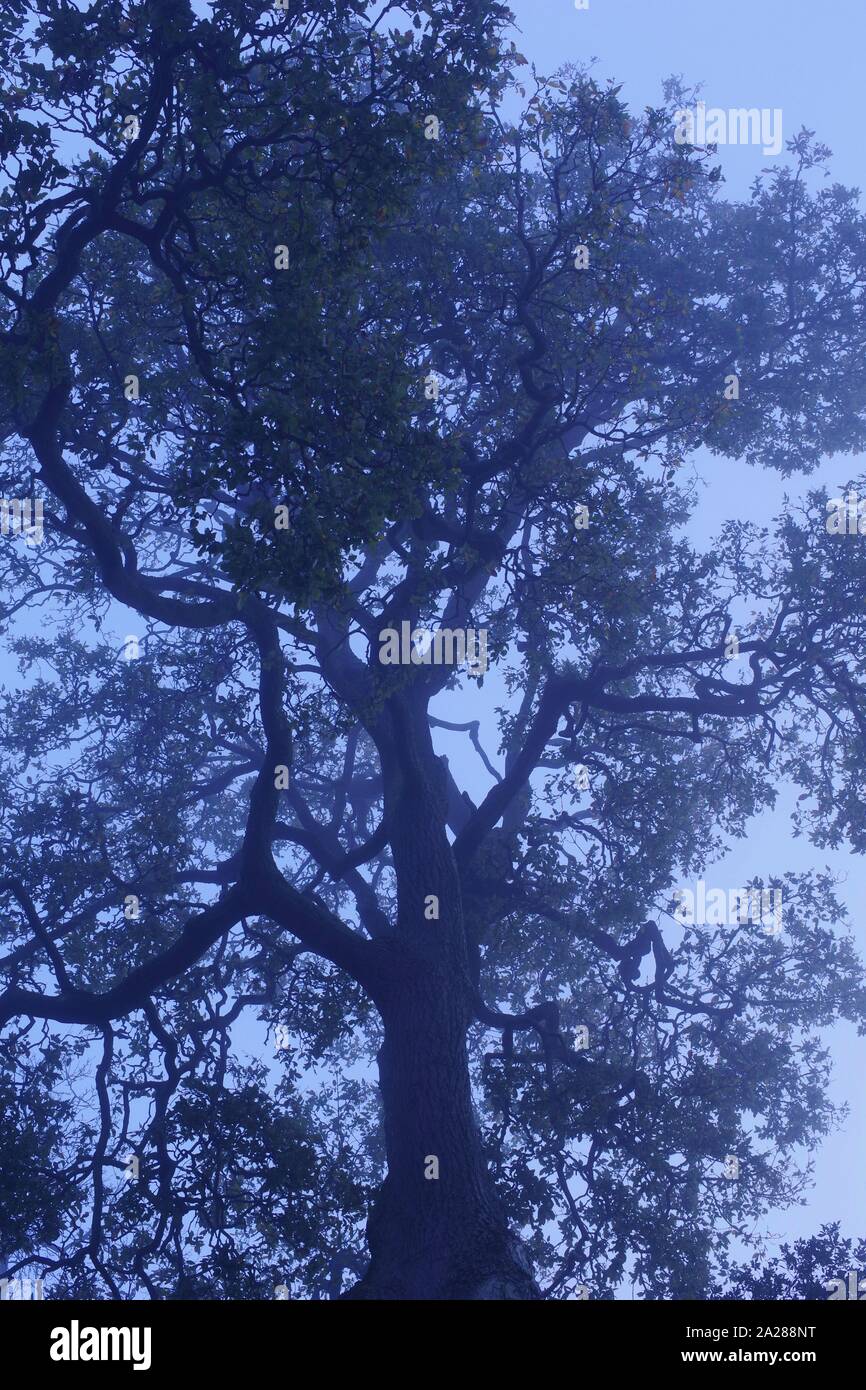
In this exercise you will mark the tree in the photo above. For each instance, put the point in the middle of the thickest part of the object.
(302, 373)
(808, 1269)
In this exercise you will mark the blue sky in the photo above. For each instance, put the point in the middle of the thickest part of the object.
(807, 60)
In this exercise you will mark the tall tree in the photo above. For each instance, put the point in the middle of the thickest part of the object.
(309, 345)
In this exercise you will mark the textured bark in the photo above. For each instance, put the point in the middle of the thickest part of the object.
(445, 1237)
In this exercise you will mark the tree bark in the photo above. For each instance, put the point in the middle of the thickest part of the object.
(437, 1229)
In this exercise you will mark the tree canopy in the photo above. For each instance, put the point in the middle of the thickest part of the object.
(315, 326)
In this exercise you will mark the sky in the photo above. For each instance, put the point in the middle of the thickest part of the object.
(806, 60)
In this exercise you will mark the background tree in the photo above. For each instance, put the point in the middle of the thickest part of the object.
(805, 1269)
(289, 374)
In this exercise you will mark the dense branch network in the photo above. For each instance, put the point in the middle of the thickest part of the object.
(557, 390)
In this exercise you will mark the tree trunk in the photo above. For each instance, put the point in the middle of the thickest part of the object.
(437, 1230)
